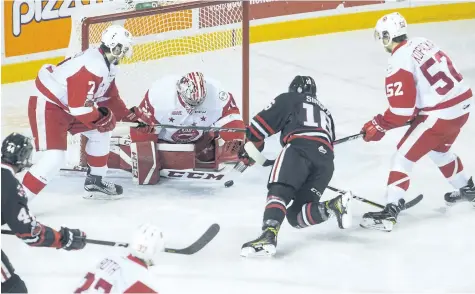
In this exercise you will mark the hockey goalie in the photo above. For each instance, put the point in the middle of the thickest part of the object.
(190, 101)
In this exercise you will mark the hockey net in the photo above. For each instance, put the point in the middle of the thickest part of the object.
(170, 37)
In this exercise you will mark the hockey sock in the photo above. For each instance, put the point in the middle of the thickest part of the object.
(453, 172)
(275, 209)
(312, 213)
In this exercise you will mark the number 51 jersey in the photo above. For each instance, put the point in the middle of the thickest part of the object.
(296, 116)
(422, 79)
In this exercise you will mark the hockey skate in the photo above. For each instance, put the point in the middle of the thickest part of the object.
(383, 220)
(340, 207)
(265, 244)
(98, 189)
(466, 193)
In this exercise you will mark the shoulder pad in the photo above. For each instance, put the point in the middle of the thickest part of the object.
(94, 62)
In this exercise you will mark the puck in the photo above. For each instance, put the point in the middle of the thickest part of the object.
(229, 183)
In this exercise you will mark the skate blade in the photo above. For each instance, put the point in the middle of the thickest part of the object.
(100, 196)
(347, 218)
(385, 225)
(267, 250)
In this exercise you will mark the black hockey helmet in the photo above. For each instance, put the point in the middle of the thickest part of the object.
(16, 150)
(303, 85)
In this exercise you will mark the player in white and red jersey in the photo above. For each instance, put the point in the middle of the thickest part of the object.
(128, 273)
(190, 100)
(422, 85)
(79, 95)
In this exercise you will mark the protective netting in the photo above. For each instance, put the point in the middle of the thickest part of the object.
(166, 34)
(185, 29)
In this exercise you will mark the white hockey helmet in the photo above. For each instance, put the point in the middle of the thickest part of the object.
(389, 27)
(118, 40)
(192, 88)
(147, 243)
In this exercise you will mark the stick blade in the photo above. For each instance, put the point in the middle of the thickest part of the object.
(414, 201)
(207, 236)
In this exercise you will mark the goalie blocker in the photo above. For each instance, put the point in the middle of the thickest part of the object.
(148, 160)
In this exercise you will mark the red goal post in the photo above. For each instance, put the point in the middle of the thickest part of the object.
(175, 29)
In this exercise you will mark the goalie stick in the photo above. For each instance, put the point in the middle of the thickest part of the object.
(202, 241)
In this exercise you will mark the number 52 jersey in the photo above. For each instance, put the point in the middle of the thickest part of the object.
(422, 79)
(296, 116)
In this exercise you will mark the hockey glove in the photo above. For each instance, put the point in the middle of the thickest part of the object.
(72, 239)
(375, 129)
(107, 121)
(137, 115)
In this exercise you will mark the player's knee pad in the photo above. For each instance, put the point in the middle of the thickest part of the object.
(282, 191)
(14, 285)
(145, 163)
(292, 213)
(98, 144)
(47, 166)
(401, 164)
(441, 159)
(49, 163)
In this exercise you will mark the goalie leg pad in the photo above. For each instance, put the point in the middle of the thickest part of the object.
(137, 136)
(119, 155)
(145, 163)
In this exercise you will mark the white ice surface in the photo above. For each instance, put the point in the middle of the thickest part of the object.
(428, 251)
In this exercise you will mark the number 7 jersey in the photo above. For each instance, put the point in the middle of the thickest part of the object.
(422, 79)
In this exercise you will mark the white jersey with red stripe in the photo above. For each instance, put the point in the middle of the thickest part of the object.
(163, 102)
(77, 83)
(125, 274)
(422, 79)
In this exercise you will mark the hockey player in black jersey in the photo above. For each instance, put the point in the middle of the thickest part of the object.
(16, 152)
(303, 168)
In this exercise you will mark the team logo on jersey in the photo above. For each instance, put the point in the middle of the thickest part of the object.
(223, 96)
(21, 192)
(185, 135)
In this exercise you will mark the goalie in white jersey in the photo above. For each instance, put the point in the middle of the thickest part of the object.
(190, 100)
(128, 273)
(422, 85)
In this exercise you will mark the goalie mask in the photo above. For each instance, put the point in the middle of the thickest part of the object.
(192, 88)
(119, 42)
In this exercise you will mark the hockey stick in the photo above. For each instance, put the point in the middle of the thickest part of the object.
(202, 241)
(408, 204)
(209, 129)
